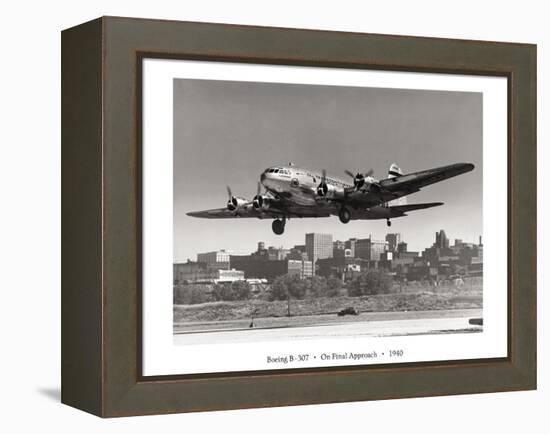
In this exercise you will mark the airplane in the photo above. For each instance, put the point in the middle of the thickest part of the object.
(293, 192)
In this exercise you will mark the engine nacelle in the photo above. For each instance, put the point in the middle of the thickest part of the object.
(330, 191)
(261, 202)
(366, 184)
(235, 203)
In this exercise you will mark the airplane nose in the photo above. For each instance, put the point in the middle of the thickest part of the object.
(262, 177)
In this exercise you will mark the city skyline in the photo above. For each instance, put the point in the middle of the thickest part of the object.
(229, 251)
(227, 133)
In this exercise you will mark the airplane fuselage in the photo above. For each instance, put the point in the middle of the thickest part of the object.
(298, 182)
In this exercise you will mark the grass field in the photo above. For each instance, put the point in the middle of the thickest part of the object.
(420, 299)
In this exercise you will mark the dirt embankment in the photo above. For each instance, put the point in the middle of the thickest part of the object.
(422, 300)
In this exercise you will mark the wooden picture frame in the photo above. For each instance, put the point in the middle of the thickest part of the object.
(101, 216)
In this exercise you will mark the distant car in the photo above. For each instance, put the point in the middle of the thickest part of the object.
(348, 311)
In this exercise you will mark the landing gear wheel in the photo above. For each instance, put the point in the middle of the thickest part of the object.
(278, 226)
(344, 215)
(388, 222)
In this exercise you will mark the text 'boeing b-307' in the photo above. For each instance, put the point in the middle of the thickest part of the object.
(293, 192)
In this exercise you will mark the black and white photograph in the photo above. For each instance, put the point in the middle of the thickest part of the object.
(296, 217)
(308, 211)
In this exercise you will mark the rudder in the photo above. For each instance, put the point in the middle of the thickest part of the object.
(394, 171)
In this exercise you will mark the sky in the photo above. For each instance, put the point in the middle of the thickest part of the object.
(228, 133)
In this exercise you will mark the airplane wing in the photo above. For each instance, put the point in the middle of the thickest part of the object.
(402, 209)
(413, 182)
(389, 212)
(393, 188)
(248, 211)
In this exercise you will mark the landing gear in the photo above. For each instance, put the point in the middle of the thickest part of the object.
(278, 226)
(344, 215)
(388, 222)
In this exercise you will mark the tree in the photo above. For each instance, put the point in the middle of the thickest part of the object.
(284, 287)
(333, 287)
(222, 292)
(318, 286)
(237, 290)
(241, 290)
(370, 283)
(296, 287)
(279, 289)
(190, 294)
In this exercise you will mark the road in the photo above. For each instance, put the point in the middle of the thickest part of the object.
(365, 324)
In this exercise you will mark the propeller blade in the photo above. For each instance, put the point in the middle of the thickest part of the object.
(229, 192)
(259, 188)
(324, 175)
(360, 175)
(350, 173)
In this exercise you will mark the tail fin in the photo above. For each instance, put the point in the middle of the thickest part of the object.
(394, 171)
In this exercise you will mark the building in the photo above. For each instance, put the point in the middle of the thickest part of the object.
(277, 253)
(188, 271)
(338, 248)
(369, 249)
(338, 266)
(300, 247)
(200, 272)
(300, 268)
(441, 240)
(307, 269)
(297, 254)
(338, 252)
(350, 244)
(261, 267)
(217, 257)
(387, 256)
(393, 241)
(341, 253)
(230, 275)
(404, 255)
(271, 253)
(479, 257)
(402, 247)
(318, 246)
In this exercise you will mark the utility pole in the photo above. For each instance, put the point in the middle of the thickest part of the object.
(288, 304)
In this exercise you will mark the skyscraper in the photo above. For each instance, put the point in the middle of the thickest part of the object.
(318, 246)
(441, 240)
(370, 249)
(393, 240)
(402, 247)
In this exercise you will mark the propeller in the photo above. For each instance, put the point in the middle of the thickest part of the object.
(322, 188)
(359, 178)
(232, 201)
(258, 200)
